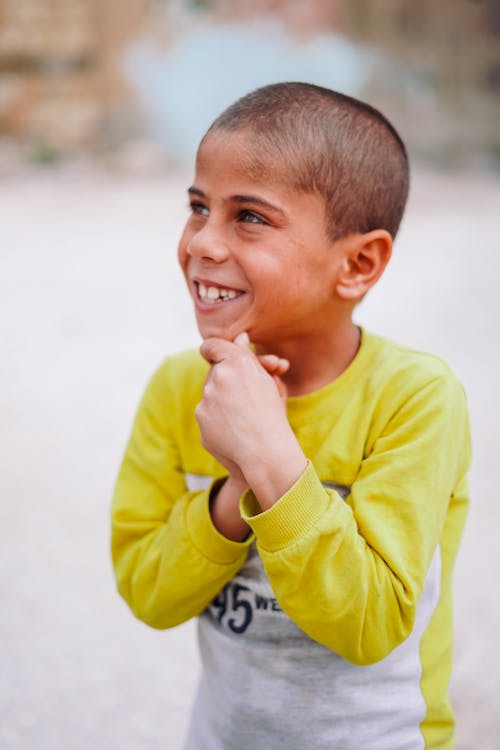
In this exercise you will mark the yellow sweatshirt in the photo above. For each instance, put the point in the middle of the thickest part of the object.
(358, 554)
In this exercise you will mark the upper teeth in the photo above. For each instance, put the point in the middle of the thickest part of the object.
(213, 293)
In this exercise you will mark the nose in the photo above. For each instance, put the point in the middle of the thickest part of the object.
(208, 243)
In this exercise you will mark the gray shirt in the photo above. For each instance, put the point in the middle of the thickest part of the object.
(265, 684)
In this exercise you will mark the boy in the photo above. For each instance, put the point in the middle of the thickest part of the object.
(304, 495)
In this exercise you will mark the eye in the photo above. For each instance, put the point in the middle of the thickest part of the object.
(250, 217)
(198, 208)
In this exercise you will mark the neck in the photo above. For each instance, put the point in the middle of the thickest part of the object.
(316, 361)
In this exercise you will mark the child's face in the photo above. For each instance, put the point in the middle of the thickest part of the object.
(255, 254)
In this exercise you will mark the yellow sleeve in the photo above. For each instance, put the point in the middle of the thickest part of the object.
(169, 559)
(350, 573)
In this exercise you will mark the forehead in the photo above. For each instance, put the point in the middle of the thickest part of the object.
(243, 155)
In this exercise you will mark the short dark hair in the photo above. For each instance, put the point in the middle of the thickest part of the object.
(334, 145)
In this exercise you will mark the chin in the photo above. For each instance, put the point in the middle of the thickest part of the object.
(228, 333)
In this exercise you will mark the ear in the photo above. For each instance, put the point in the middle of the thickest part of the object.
(365, 259)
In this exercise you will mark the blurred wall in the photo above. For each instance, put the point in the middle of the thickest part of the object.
(62, 90)
(450, 102)
(60, 87)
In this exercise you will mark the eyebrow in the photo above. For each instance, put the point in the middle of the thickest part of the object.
(242, 199)
(196, 191)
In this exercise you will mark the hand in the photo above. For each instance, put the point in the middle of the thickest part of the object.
(275, 366)
(234, 375)
(242, 420)
(224, 506)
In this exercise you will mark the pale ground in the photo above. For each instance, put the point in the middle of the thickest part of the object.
(91, 301)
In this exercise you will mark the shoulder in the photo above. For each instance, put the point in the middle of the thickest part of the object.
(417, 398)
(178, 380)
(186, 368)
(415, 385)
(397, 367)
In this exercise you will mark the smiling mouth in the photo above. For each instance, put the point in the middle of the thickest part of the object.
(215, 295)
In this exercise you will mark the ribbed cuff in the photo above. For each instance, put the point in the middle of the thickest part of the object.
(291, 516)
(210, 542)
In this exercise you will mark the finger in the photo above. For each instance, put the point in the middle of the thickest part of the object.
(216, 350)
(282, 390)
(242, 340)
(284, 366)
(273, 364)
(208, 387)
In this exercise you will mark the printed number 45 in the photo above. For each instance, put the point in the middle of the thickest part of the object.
(231, 598)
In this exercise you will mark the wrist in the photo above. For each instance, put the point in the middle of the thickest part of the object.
(224, 508)
(236, 483)
(297, 511)
(271, 478)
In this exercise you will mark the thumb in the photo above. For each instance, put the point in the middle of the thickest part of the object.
(215, 350)
(242, 340)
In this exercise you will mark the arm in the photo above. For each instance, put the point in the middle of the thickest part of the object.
(350, 573)
(169, 559)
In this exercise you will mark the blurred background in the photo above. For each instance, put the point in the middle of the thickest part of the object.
(113, 79)
(102, 104)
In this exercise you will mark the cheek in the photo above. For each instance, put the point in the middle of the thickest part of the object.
(266, 270)
(182, 253)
